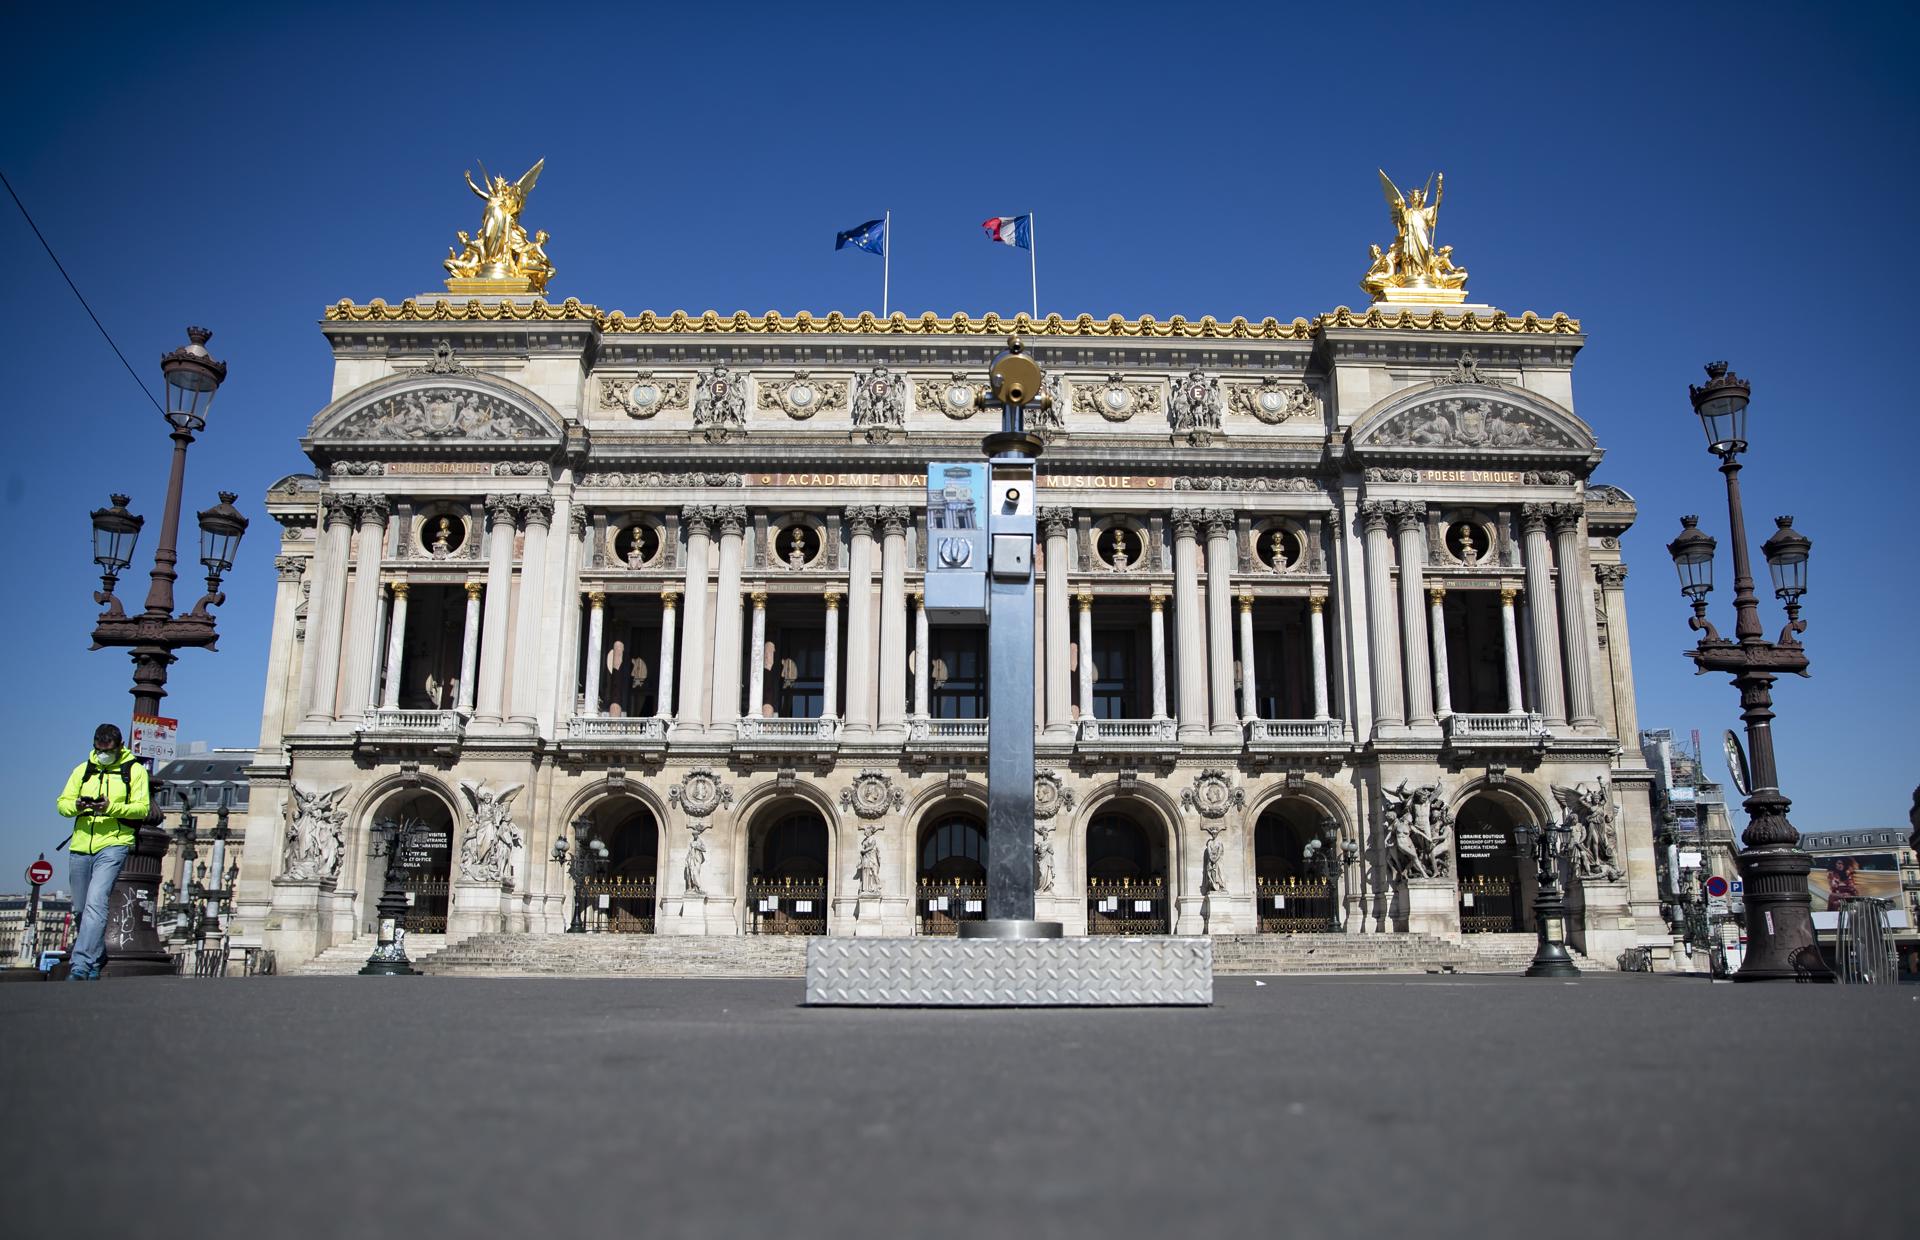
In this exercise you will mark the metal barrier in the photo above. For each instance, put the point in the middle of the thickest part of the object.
(1636, 960)
(1863, 945)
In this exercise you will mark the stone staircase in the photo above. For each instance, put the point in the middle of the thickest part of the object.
(343, 958)
(750, 956)
(623, 955)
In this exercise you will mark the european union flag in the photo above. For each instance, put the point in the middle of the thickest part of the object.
(870, 236)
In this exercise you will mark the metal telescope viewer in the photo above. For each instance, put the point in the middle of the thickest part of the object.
(980, 535)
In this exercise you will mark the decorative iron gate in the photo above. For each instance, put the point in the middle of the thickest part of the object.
(1122, 906)
(426, 903)
(1489, 904)
(628, 905)
(941, 907)
(1297, 906)
(786, 906)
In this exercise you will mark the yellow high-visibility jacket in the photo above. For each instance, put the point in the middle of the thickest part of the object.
(123, 784)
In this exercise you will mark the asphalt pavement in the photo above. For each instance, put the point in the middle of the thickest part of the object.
(1366, 1107)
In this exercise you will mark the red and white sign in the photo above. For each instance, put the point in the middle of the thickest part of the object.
(1717, 887)
(40, 872)
(154, 738)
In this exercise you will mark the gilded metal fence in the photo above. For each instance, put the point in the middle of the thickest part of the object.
(939, 908)
(1489, 904)
(786, 906)
(1123, 906)
(426, 903)
(627, 906)
(1297, 906)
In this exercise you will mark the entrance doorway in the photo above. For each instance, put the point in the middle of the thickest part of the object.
(1126, 876)
(1293, 896)
(787, 875)
(952, 872)
(1496, 891)
(426, 861)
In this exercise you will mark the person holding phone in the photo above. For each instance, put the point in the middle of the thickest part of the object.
(106, 796)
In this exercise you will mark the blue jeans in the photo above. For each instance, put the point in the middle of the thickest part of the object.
(92, 880)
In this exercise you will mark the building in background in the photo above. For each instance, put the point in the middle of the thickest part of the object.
(1873, 862)
(211, 784)
(562, 573)
(1694, 840)
(55, 918)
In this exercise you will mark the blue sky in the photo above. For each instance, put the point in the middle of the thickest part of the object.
(1692, 182)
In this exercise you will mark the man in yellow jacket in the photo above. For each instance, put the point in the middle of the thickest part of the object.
(106, 796)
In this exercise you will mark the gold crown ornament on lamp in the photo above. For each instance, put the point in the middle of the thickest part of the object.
(501, 258)
(1413, 271)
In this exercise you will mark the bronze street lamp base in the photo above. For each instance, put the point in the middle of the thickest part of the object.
(1780, 939)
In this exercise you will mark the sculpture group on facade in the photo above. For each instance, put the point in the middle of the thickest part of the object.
(696, 858)
(1413, 261)
(314, 844)
(502, 250)
(486, 855)
(1419, 832)
(1593, 842)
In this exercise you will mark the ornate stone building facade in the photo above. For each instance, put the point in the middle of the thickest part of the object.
(1327, 608)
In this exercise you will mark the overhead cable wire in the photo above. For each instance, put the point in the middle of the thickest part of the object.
(107, 336)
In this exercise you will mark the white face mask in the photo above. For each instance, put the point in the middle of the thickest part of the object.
(104, 757)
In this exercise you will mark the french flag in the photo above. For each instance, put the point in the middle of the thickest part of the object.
(1014, 230)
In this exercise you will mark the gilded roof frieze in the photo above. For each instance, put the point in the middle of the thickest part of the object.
(1178, 327)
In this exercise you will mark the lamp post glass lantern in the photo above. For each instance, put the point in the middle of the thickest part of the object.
(1548, 844)
(389, 958)
(1780, 937)
(154, 635)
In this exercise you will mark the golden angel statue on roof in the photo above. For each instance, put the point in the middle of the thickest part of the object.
(501, 257)
(1413, 269)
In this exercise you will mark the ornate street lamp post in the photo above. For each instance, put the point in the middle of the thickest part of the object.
(1549, 844)
(1780, 939)
(389, 958)
(154, 634)
(583, 861)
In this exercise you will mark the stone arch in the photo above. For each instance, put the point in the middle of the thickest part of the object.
(1073, 865)
(1152, 813)
(381, 413)
(765, 805)
(1551, 428)
(1324, 800)
(921, 810)
(377, 796)
(1482, 809)
(1528, 803)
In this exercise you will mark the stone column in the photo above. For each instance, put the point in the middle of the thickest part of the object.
(663, 704)
(830, 701)
(1053, 525)
(363, 609)
(1186, 617)
(1383, 641)
(1437, 623)
(1575, 632)
(1249, 692)
(286, 598)
(725, 710)
(530, 625)
(1226, 725)
(757, 656)
(1542, 625)
(1510, 646)
(1612, 579)
(1158, 602)
(1317, 624)
(563, 655)
(859, 705)
(1410, 525)
(326, 611)
(1085, 599)
(893, 622)
(596, 654)
(490, 708)
(469, 647)
(396, 647)
(922, 660)
(697, 521)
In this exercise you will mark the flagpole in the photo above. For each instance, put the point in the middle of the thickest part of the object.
(1033, 260)
(886, 263)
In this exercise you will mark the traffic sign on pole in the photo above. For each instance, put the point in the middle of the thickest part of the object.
(1717, 887)
(40, 872)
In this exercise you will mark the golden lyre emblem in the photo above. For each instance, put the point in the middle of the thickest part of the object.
(502, 258)
(1413, 269)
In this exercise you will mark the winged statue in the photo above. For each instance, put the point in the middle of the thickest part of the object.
(1413, 261)
(486, 854)
(1589, 815)
(501, 249)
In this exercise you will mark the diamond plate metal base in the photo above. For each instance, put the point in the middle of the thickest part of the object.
(952, 972)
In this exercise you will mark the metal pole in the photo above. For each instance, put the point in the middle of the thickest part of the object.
(886, 263)
(1033, 261)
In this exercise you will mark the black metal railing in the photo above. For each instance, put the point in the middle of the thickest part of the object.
(1298, 906)
(939, 908)
(786, 906)
(620, 905)
(426, 903)
(1126, 906)
(1489, 904)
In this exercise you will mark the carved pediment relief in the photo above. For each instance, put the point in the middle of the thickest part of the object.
(438, 409)
(1475, 417)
